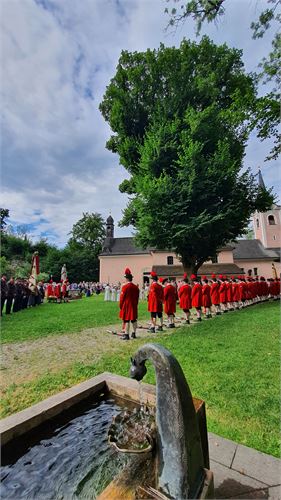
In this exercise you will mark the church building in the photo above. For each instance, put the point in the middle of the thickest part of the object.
(253, 257)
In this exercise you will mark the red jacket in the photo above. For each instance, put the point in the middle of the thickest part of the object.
(196, 295)
(57, 291)
(49, 290)
(155, 297)
(215, 296)
(170, 299)
(185, 296)
(223, 293)
(243, 290)
(206, 295)
(128, 304)
(236, 292)
(229, 292)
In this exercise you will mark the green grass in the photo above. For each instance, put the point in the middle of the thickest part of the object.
(56, 319)
(232, 362)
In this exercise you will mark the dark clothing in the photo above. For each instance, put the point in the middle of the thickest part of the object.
(4, 293)
(10, 296)
(18, 298)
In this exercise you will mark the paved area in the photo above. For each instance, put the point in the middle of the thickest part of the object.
(241, 472)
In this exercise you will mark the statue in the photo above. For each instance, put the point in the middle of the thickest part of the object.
(34, 269)
(181, 463)
(63, 273)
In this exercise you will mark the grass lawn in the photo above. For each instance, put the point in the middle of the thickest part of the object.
(55, 319)
(231, 361)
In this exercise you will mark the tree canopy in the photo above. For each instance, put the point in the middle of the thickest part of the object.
(180, 118)
(89, 231)
(265, 120)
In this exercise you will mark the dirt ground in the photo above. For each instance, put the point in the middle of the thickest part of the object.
(25, 361)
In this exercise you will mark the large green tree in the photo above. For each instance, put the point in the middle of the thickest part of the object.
(265, 118)
(180, 120)
(89, 231)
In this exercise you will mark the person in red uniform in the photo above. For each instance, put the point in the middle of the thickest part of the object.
(243, 290)
(155, 303)
(223, 294)
(229, 293)
(264, 289)
(215, 294)
(235, 293)
(64, 290)
(196, 296)
(185, 298)
(49, 289)
(129, 298)
(170, 302)
(206, 297)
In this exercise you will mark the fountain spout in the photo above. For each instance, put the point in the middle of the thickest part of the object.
(181, 463)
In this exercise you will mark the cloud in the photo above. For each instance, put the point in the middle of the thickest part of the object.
(57, 58)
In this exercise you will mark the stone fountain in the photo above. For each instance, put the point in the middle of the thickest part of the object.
(176, 466)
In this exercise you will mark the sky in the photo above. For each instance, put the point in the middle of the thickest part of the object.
(57, 57)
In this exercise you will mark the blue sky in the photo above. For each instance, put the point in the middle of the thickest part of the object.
(57, 58)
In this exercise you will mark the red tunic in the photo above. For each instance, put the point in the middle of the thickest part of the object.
(243, 290)
(57, 291)
(196, 295)
(155, 298)
(215, 296)
(63, 289)
(206, 295)
(128, 304)
(49, 290)
(229, 292)
(223, 293)
(185, 296)
(236, 292)
(170, 299)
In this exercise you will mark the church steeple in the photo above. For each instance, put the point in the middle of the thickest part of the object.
(109, 227)
(260, 180)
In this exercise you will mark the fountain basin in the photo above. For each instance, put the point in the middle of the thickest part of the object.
(27, 422)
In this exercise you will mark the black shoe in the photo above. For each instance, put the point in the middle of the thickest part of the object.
(199, 319)
(151, 330)
(171, 325)
(133, 336)
(125, 337)
(187, 322)
(160, 329)
(218, 313)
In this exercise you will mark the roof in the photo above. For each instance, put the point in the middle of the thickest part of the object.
(207, 269)
(253, 250)
(122, 246)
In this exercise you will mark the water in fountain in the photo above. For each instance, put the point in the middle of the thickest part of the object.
(133, 431)
(70, 458)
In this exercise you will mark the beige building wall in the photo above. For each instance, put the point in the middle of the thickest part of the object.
(225, 257)
(267, 227)
(263, 268)
(112, 267)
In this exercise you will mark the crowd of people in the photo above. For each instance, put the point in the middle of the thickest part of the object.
(18, 294)
(208, 296)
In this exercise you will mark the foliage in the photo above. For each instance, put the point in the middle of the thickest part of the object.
(89, 231)
(180, 118)
(242, 398)
(3, 265)
(266, 117)
(4, 214)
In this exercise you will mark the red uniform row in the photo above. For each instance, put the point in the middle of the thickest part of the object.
(223, 294)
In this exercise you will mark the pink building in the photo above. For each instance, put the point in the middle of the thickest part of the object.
(254, 257)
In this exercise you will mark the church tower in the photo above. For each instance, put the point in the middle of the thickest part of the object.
(267, 225)
(109, 227)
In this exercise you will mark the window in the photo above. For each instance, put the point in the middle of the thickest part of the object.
(271, 220)
(242, 270)
(249, 272)
(170, 260)
(258, 223)
(255, 271)
(214, 259)
(274, 237)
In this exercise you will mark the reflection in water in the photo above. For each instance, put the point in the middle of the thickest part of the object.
(74, 461)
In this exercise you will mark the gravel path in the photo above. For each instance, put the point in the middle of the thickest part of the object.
(25, 361)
